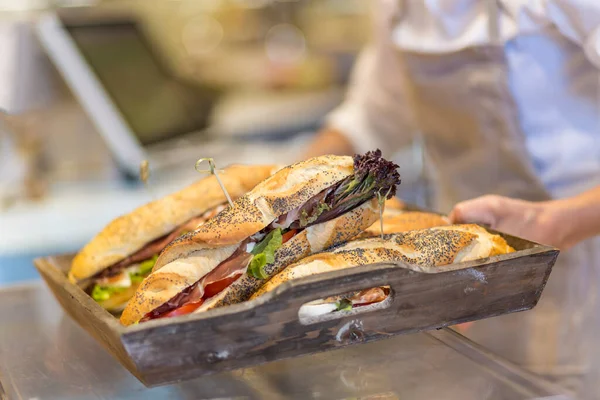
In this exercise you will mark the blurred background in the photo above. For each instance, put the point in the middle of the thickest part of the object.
(89, 89)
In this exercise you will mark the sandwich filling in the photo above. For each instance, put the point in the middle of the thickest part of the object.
(343, 303)
(131, 271)
(372, 175)
(363, 298)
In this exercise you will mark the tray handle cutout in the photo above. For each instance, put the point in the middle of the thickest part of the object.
(346, 304)
(291, 295)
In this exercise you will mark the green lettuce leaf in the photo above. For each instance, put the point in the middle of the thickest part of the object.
(305, 219)
(136, 277)
(373, 175)
(257, 266)
(144, 269)
(102, 293)
(264, 254)
(343, 305)
(147, 265)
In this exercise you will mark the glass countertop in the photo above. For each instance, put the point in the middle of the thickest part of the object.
(45, 355)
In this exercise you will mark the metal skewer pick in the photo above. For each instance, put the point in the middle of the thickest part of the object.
(212, 170)
(381, 201)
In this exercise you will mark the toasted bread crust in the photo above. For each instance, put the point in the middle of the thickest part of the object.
(425, 248)
(129, 233)
(486, 245)
(287, 189)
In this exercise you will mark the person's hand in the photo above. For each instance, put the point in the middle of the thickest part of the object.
(539, 222)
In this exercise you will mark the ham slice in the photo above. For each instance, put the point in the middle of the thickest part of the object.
(286, 220)
(370, 296)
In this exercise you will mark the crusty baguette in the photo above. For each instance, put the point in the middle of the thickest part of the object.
(405, 221)
(422, 250)
(313, 239)
(192, 256)
(164, 283)
(129, 233)
(287, 189)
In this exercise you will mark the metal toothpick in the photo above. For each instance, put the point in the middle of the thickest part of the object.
(213, 170)
(381, 201)
(145, 176)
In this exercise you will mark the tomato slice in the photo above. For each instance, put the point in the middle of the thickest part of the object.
(209, 291)
(217, 287)
(288, 235)
(183, 310)
(370, 296)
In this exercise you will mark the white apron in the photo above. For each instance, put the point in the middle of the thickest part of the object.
(469, 124)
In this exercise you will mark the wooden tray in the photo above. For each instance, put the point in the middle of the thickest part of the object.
(268, 328)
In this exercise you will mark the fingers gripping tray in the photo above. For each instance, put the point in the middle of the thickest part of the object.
(270, 327)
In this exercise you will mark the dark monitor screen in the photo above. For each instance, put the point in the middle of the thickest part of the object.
(154, 103)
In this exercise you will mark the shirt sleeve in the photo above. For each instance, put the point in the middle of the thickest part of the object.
(376, 113)
(578, 20)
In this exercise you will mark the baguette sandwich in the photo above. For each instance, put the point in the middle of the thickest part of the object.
(425, 250)
(112, 264)
(302, 209)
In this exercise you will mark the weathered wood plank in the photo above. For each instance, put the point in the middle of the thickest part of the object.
(82, 308)
(267, 329)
